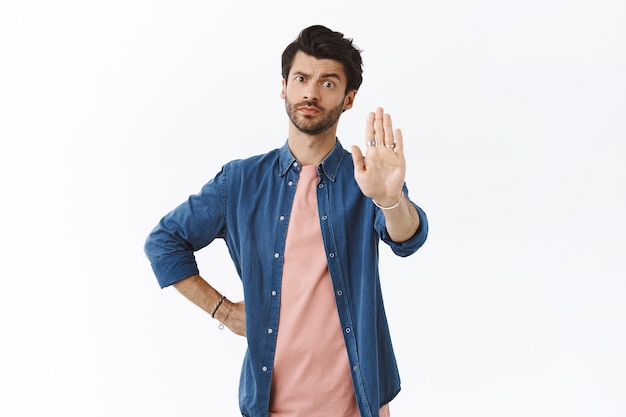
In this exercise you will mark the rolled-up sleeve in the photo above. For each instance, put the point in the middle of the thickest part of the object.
(172, 244)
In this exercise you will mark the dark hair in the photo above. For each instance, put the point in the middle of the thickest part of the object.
(322, 43)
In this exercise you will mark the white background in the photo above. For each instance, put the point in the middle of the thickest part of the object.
(111, 113)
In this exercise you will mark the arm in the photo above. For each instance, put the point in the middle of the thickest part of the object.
(402, 220)
(381, 175)
(171, 245)
(201, 293)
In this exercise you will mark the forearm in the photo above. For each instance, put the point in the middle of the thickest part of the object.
(201, 293)
(402, 221)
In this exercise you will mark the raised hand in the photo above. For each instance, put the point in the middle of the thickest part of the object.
(381, 172)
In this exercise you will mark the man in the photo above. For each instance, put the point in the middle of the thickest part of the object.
(302, 224)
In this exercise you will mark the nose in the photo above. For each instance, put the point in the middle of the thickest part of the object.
(311, 93)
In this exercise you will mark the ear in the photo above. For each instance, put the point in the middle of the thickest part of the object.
(282, 90)
(348, 101)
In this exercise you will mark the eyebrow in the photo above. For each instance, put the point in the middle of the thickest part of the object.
(327, 75)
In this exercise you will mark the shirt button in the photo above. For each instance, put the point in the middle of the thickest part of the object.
(347, 330)
(290, 183)
(324, 217)
(270, 331)
(276, 255)
(282, 218)
(339, 292)
(321, 185)
(295, 164)
(332, 255)
(264, 369)
(273, 292)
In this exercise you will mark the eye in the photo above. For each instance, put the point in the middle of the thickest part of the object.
(328, 84)
(300, 78)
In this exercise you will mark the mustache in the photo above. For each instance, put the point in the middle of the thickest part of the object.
(312, 104)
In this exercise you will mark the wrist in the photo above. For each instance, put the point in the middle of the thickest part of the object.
(223, 311)
(392, 205)
(217, 306)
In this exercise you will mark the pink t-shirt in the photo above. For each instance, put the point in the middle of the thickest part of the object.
(311, 376)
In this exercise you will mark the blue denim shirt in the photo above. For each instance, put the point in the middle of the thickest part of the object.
(248, 204)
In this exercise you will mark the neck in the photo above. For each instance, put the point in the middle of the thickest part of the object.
(311, 149)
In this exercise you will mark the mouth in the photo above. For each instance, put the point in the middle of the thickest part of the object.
(308, 110)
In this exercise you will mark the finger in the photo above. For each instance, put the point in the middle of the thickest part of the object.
(379, 127)
(399, 148)
(370, 137)
(388, 129)
(357, 158)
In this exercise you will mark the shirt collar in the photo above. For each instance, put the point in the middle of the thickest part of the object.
(329, 166)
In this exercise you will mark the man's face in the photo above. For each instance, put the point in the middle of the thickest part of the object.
(314, 93)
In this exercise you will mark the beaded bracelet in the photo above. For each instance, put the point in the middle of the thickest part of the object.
(390, 207)
(219, 303)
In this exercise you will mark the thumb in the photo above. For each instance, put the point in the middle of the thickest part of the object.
(357, 158)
